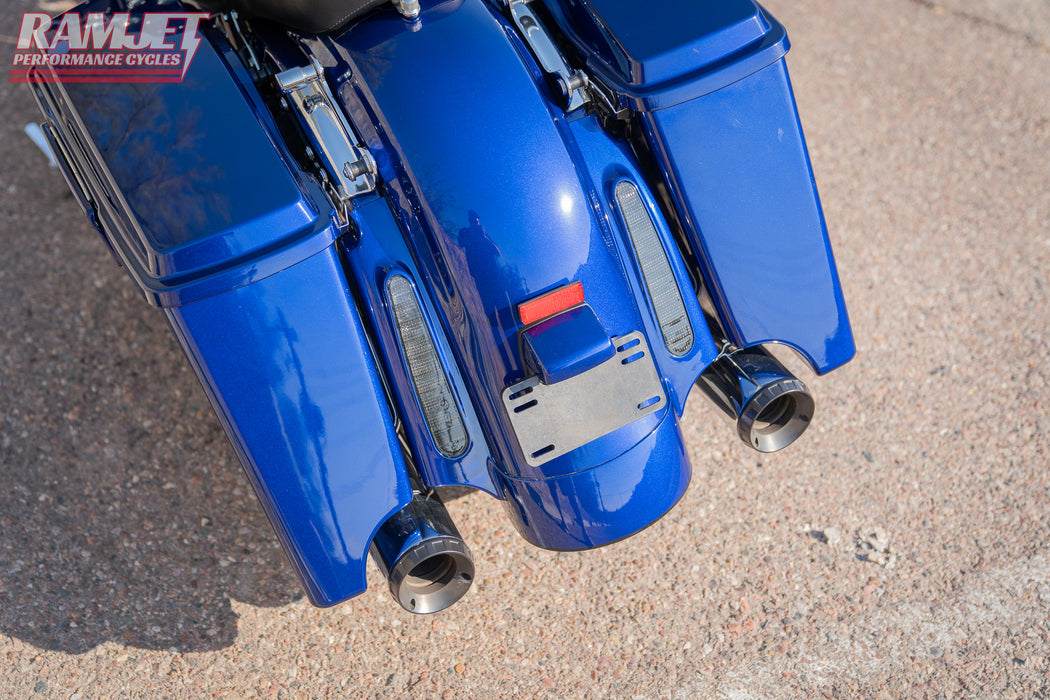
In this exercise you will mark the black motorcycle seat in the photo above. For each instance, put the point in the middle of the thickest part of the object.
(316, 16)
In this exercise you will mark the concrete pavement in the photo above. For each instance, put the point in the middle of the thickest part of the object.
(900, 549)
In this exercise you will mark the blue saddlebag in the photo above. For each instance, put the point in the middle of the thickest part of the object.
(709, 84)
(210, 215)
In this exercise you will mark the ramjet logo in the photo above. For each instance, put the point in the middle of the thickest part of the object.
(124, 47)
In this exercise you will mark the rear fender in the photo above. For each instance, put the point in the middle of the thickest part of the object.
(501, 199)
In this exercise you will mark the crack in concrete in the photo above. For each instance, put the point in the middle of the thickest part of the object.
(1030, 38)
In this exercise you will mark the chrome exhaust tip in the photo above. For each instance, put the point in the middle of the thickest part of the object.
(425, 561)
(771, 406)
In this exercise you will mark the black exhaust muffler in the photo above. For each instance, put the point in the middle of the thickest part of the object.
(424, 559)
(771, 406)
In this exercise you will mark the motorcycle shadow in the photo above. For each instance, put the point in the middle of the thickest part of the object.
(124, 514)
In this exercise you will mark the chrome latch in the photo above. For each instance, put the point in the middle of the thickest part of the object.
(573, 83)
(350, 168)
(409, 9)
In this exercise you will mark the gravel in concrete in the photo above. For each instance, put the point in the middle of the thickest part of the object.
(901, 549)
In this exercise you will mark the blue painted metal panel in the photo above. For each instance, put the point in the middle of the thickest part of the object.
(214, 220)
(287, 367)
(497, 205)
(377, 251)
(664, 52)
(608, 162)
(718, 113)
(607, 502)
(472, 150)
(490, 197)
(566, 345)
(198, 193)
(737, 163)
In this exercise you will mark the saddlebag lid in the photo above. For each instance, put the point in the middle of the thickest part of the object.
(665, 52)
(191, 184)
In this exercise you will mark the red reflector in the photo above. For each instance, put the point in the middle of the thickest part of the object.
(551, 303)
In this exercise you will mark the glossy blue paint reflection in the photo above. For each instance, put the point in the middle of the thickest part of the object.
(498, 201)
(214, 200)
(566, 345)
(490, 195)
(737, 161)
(288, 370)
(490, 200)
(608, 163)
(607, 502)
(718, 113)
(378, 250)
(682, 50)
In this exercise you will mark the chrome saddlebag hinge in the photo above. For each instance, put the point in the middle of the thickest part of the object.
(350, 168)
(577, 88)
(572, 83)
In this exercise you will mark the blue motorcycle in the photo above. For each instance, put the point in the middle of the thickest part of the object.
(456, 243)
